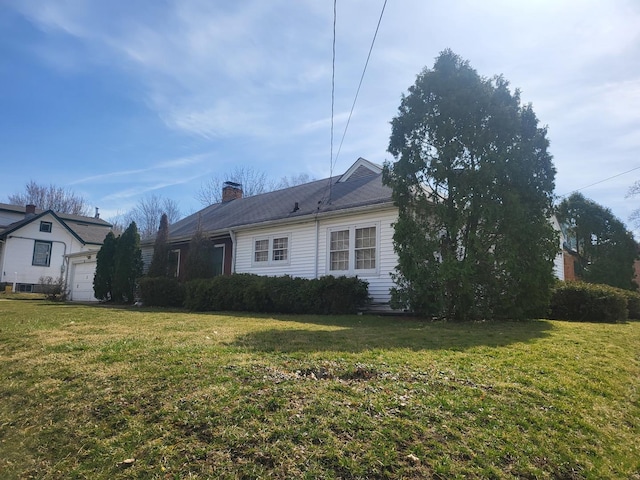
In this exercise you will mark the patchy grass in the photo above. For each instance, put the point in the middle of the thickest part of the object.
(97, 392)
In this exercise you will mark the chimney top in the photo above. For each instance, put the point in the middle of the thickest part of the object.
(231, 191)
(97, 213)
(30, 209)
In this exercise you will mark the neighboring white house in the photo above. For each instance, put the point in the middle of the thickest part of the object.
(36, 244)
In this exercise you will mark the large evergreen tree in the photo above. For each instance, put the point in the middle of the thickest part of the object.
(160, 261)
(103, 278)
(127, 265)
(606, 249)
(473, 182)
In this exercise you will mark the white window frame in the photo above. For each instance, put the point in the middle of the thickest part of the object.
(352, 270)
(45, 226)
(271, 251)
(224, 251)
(176, 274)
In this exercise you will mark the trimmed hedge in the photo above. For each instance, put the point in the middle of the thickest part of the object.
(585, 302)
(633, 303)
(161, 292)
(254, 293)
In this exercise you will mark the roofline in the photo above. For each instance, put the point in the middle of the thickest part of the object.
(387, 205)
(81, 254)
(27, 221)
(72, 216)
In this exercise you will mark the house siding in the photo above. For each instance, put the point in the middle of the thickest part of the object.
(303, 261)
(16, 257)
(17, 266)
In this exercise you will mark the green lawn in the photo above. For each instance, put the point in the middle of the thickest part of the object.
(96, 392)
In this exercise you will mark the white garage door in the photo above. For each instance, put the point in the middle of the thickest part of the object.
(81, 287)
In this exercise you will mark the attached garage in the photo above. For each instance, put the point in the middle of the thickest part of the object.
(82, 268)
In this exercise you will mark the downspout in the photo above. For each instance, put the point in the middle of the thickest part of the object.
(64, 254)
(232, 234)
(317, 253)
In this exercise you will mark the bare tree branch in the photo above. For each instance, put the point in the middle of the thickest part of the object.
(254, 182)
(147, 214)
(52, 197)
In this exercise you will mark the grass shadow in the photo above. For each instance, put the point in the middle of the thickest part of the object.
(358, 334)
(350, 333)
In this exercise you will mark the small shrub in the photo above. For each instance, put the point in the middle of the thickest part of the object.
(161, 292)
(584, 302)
(53, 288)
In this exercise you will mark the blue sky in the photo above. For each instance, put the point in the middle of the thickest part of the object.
(117, 100)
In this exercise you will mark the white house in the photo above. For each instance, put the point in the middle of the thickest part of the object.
(336, 226)
(36, 244)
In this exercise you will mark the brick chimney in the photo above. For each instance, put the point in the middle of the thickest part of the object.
(231, 191)
(30, 210)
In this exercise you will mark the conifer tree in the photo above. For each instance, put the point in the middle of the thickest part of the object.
(198, 263)
(127, 265)
(473, 182)
(103, 278)
(160, 261)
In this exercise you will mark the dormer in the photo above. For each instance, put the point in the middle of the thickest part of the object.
(362, 168)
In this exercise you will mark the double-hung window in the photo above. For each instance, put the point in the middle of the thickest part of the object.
(271, 250)
(41, 254)
(353, 249)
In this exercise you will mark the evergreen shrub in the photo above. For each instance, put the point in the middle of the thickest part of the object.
(585, 302)
(254, 293)
(161, 292)
(633, 303)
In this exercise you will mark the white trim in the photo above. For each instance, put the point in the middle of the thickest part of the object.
(176, 274)
(224, 248)
(352, 270)
(270, 262)
(361, 162)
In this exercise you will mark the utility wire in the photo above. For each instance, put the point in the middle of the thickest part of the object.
(333, 96)
(373, 41)
(333, 84)
(599, 182)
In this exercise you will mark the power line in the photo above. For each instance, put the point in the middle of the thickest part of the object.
(599, 182)
(373, 41)
(333, 84)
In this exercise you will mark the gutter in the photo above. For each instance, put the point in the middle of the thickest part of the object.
(290, 221)
(305, 218)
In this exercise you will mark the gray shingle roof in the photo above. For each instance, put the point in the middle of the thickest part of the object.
(318, 197)
(88, 230)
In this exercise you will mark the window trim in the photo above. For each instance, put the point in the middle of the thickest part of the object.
(44, 223)
(224, 251)
(352, 270)
(177, 251)
(35, 247)
(270, 262)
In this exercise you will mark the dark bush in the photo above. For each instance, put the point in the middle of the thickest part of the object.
(254, 293)
(161, 292)
(339, 294)
(585, 302)
(633, 303)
